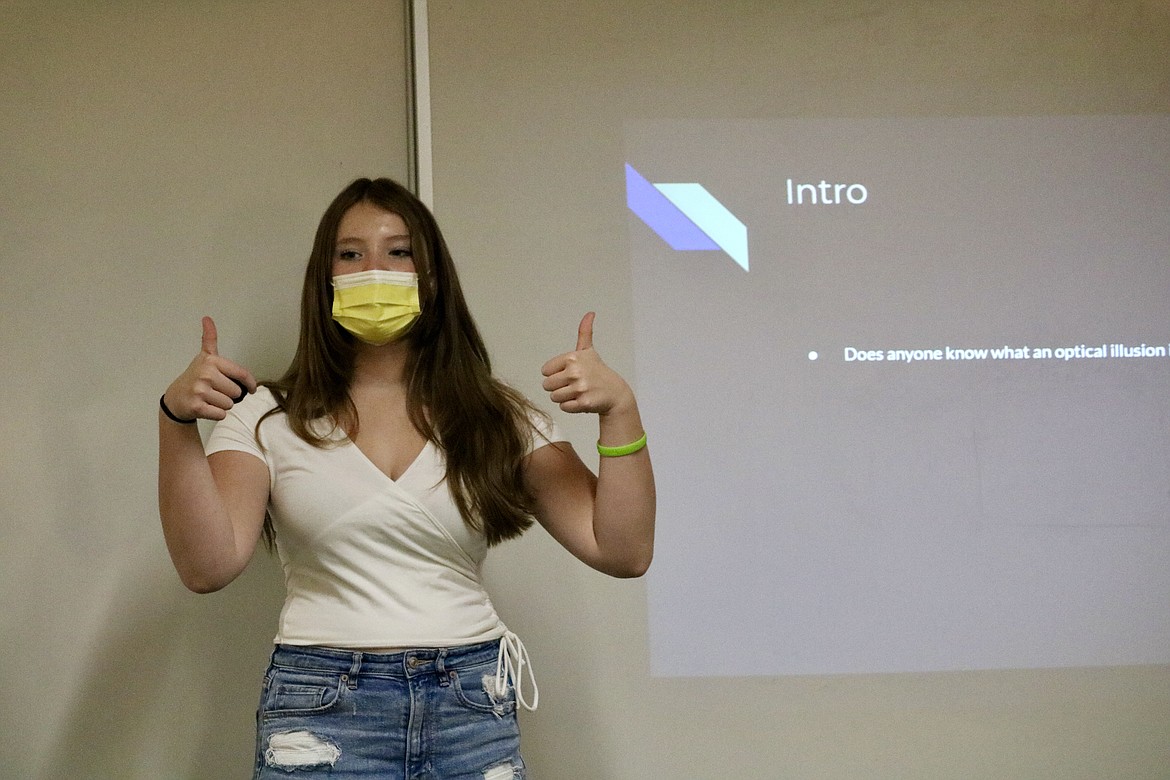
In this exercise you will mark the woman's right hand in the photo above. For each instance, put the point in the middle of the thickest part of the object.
(211, 384)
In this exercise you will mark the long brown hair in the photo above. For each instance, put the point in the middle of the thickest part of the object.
(481, 425)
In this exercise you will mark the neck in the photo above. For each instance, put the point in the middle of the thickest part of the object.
(382, 367)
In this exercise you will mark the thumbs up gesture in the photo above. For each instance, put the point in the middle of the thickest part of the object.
(211, 384)
(580, 381)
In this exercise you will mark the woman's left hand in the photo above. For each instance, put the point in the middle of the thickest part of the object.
(580, 381)
(607, 520)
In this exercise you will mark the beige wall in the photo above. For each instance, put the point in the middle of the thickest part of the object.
(161, 161)
(158, 161)
(529, 98)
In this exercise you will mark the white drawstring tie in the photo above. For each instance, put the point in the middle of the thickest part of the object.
(510, 663)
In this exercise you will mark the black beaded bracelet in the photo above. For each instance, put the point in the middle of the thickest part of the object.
(163, 405)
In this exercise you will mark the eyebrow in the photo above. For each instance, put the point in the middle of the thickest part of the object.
(357, 240)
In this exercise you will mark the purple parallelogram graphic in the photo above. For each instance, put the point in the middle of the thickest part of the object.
(663, 217)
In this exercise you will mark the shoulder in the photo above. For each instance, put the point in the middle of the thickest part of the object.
(537, 427)
(237, 431)
(244, 416)
(254, 406)
(542, 430)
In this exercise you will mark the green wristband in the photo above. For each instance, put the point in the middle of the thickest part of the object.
(625, 449)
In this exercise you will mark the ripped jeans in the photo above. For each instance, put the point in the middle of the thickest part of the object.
(435, 714)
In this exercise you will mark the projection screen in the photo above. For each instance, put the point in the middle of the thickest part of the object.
(907, 380)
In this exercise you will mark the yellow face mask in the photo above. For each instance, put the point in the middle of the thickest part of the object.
(376, 306)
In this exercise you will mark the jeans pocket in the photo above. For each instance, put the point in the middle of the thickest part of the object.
(477, 689)
(296, 691)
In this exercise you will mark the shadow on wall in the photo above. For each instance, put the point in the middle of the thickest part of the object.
(174, 663)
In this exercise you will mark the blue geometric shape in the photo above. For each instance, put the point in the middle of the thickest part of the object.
(711, 216)
(663, 217)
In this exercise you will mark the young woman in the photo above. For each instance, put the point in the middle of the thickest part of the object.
(381, 467)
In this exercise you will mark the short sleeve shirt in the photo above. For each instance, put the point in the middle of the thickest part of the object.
(369, 562)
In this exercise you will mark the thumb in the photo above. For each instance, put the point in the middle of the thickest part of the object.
(585, 332)
(210, 337)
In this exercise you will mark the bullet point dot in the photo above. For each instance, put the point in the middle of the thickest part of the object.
(812, 356)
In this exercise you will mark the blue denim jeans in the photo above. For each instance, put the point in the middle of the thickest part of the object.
(434, 714)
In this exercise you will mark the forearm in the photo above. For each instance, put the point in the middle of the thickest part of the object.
(624, 508)
(196, 524)
(607, 521)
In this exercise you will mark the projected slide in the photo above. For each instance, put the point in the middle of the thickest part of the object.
(908, 389)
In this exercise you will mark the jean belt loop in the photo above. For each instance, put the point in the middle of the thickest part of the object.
(441, 668)
(354, 669)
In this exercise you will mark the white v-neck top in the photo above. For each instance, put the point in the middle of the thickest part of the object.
(369, 562)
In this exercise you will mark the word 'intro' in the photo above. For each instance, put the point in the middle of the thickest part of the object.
(826, 194)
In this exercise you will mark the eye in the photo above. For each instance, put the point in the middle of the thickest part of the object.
(400, 252)
(348, 254)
